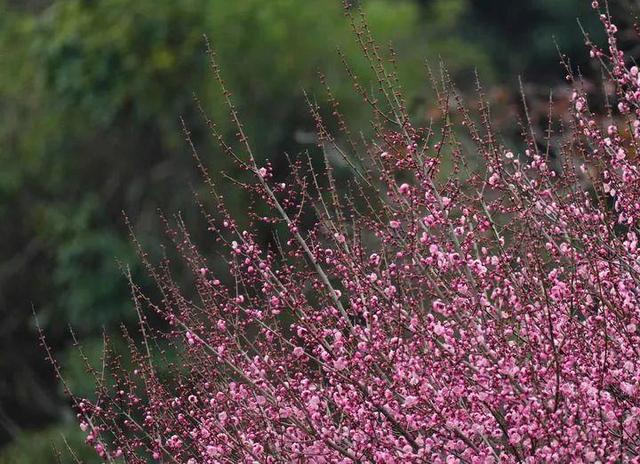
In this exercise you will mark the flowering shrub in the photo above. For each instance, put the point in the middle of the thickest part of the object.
(490, 316)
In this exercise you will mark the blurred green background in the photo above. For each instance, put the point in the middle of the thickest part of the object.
(90, 96)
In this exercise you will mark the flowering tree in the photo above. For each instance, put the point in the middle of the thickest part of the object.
(488, 316)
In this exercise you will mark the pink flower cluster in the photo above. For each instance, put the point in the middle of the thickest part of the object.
(492, 316)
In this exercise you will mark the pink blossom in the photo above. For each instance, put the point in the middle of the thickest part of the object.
(490, 317)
